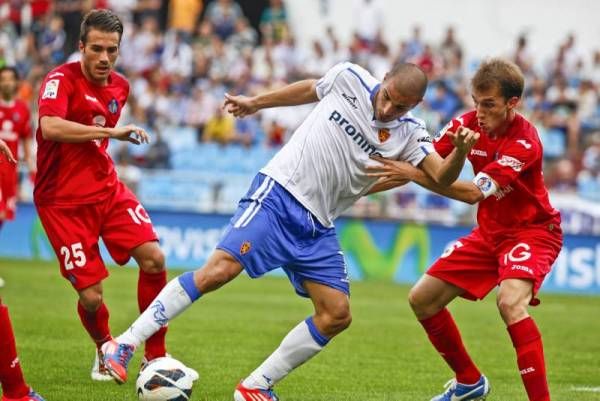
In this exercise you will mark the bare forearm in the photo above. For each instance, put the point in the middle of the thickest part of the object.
(384, 184)
(451, 168)
(301, 92)
(460, 190)
(61, 130)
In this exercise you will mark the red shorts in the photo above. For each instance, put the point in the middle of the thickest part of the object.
(477, 264)
(8, 191)
(74, 231)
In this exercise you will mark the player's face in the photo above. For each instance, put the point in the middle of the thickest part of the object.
(8, 84)
(390, 104)
(493, 110)
(99, 54)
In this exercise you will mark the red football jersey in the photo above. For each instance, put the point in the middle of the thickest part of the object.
(514, 161)
(14, 124)
(77, 173)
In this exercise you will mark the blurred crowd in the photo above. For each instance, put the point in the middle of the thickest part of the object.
(182, 56)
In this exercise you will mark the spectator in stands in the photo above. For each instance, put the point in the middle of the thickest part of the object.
(159, 153)
(219, 128)
(368, 20)
(52, 42)
(273, 21)
(223, 14)
(183, 16)
(563, 176)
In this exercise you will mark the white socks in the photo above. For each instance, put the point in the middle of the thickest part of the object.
(176, 297)
(301, 343)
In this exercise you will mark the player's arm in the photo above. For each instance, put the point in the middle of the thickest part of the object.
(5, 151)
(60, 130)
(28, 154)
(386, 183)
(393, 171)
(444, 171)
(301, 92)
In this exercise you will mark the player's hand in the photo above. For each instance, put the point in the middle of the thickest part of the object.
(463, 139)
(5, 150)
(391, 170)
(240, 106)
(130, 133)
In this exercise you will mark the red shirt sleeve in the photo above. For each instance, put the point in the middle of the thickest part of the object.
(513, 159)
(54, 95)
(442, 143)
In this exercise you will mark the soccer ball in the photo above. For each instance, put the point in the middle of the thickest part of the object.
(165, 379)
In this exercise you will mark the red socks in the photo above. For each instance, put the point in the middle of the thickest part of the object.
(11, 375)
(527, 341)
(96, 323)
(445, 337)
(149, 285)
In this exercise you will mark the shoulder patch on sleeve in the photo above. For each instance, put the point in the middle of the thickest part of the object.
(51, 89)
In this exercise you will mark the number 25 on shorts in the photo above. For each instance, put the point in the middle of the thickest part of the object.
(73, 256)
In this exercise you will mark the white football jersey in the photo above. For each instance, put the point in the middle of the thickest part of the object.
(324, 163)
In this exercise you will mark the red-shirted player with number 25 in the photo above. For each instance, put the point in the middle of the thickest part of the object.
(517, 239)
(77, 193)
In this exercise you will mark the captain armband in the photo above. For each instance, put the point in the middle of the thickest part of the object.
(486, 184)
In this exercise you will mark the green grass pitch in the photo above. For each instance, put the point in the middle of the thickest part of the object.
(384, 355)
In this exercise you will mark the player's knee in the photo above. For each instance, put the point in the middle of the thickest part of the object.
(416, 300)
(512, 309)
(153, 262)
(336, 320)
(217, 272)
(90, 300)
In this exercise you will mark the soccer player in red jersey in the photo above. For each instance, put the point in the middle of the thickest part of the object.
(13, 383)
(77, 194)
(15, 127)
(517, 239)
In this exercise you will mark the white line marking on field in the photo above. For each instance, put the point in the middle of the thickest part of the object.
(586, 389)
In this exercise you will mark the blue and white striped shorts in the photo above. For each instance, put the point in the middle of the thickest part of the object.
(271, 229)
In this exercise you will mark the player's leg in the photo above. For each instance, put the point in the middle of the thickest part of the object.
(467, 268)
(94, 316)
(428, 300)
(11, 375)
(152, 279)
(175, 297)
(307, 339)
(513, 298)
(127, 232)
(524, 264)
(13, 383)
(73, 233)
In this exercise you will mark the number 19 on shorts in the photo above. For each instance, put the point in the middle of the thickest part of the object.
(73, 256)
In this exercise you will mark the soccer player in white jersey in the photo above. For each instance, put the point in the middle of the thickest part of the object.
(286, 218)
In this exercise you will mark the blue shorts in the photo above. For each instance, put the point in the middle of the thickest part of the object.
(271, 229)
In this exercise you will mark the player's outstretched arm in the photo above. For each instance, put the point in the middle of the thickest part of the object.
(61, 130)
(397, 171)
(5, 151)
(446, 171)
(301, 92)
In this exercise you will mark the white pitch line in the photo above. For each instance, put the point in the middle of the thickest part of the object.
(586, 389)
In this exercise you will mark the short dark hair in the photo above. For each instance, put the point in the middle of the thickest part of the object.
(102, 20)
(12, 69)
(413, 82)
(504, 74)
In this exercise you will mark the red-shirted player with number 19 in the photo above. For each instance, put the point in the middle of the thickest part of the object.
(77, 194)
(514, 246)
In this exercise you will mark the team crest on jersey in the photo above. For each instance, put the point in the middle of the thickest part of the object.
(384, 134)
(113, 106)
(245, 248)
